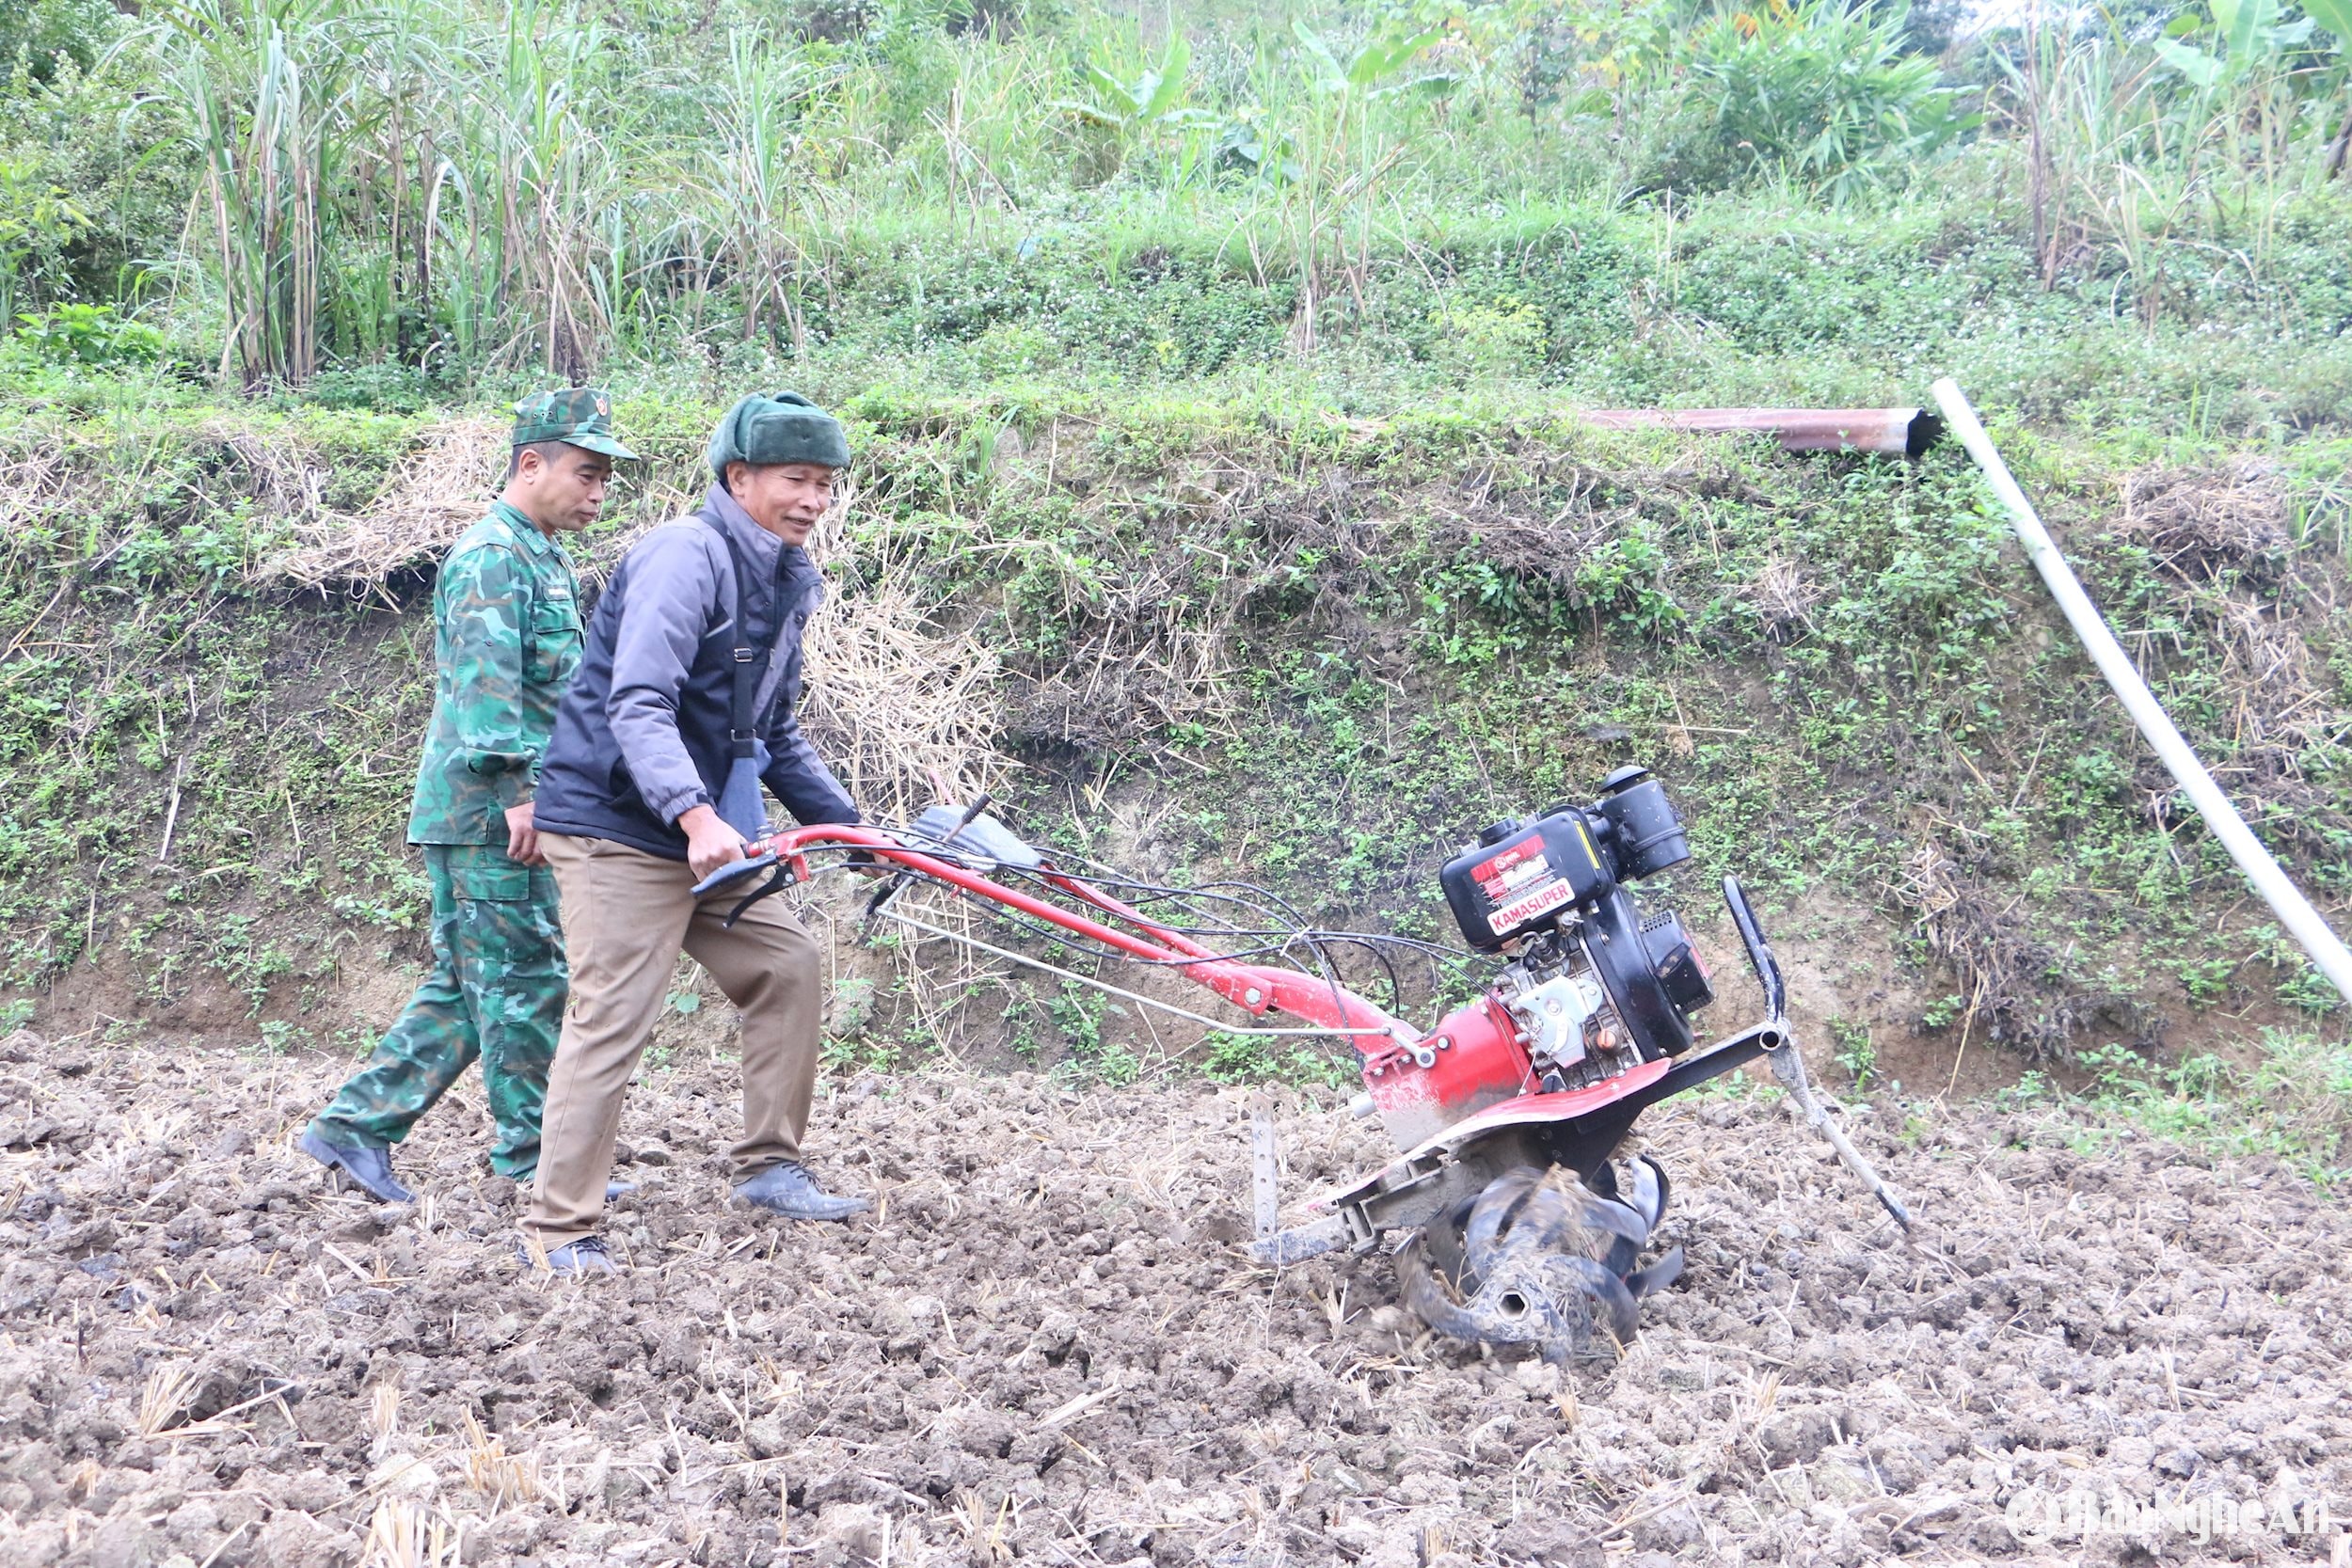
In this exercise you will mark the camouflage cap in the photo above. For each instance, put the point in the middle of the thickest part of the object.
(580, 416)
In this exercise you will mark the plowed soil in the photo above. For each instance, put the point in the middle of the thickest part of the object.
(1048, 1345)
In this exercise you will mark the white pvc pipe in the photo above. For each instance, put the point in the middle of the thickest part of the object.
(2327, 950)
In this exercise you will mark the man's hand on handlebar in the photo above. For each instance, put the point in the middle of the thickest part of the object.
(711, 843)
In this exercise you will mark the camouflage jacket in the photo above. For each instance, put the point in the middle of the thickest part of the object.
(506, 640)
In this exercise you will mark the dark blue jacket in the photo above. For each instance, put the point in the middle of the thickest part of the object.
(642, 735)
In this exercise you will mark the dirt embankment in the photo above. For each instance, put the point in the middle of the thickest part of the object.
(1045, 1345)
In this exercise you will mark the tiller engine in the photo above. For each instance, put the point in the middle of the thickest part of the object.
(1517, 1223)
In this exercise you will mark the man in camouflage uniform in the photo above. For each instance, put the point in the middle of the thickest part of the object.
(507, 640)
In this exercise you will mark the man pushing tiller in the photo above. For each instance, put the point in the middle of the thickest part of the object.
(687, 700)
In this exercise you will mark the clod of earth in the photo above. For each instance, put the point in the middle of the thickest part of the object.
(1046, 1344)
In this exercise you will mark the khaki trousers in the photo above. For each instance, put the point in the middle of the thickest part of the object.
(626, 915)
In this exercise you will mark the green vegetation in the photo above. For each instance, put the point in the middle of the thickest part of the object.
(1215, 371)
(2128, 219)
(1078, 1011)
(1853, 1050)
(1844, 676)
(1229, 1058)
(2288, 1107)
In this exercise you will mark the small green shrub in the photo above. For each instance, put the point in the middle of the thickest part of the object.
(1853, 1050)
(1824, 90)
(51, 32)
(90, 335)
(1503, 335)
(1078, 1013)
(385, 388)
(2301, 983)
(1229, 1058)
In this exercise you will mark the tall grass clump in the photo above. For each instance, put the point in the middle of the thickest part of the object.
(464, 188)
(766, 204)
(1824, 92)
(2172, 152)
(267, 85)
(547, 227)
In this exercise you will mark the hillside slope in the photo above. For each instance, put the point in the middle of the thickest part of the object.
(1232, 635)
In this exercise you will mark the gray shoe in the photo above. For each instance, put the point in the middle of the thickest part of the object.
(790, 1191)
(580, 1259)
(368, 1169)
(611, 1189)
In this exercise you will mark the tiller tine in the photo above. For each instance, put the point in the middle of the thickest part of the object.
(1649, 1281)
(1651, 1187)
(1546, 1262)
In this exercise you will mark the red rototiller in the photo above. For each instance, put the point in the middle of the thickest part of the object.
(1518, 1226)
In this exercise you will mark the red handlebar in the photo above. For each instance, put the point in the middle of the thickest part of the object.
(1257, 988)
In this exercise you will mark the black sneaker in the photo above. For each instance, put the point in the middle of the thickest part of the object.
(368, 1169)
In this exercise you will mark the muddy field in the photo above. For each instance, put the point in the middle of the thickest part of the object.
(1047, 1346)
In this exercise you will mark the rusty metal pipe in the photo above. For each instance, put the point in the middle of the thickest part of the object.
(1888, 431)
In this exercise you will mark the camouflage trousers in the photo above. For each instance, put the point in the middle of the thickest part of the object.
(496, 993)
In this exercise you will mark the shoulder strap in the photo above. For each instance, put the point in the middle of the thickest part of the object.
(750, 657)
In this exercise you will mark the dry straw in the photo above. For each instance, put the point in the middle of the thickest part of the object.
(440, 489)
(33, 487)
(505, 1478)
(894, 699)
(280, 476)
(169, 1389)
(899, 704)
(383, 1417)
(406, 1534)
